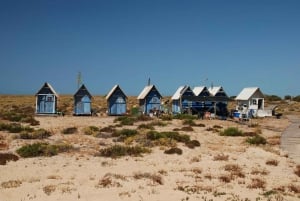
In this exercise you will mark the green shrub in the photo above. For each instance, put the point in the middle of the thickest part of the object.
(135, 111)
(176, 136)
(146, 126)
(108, 129)
(143, 118)
(70, 130)
(42, 149)
(158, 123)
(184, 116)
(166, 117)
(15, 128)
(23, 114)
(120, 150)
(91, 130)
(154, 135)
(189, 122)
(231, 131)
(173, 150)
(125, 132)
(124, 120)
(256, 140)
(36, 134)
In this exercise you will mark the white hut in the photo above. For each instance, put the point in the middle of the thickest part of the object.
(251, 103)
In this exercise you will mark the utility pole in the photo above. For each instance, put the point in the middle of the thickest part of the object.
(79, 80)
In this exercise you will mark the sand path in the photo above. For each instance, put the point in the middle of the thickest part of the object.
(290, 140)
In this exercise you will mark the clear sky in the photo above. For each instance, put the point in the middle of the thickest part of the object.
(230, 43)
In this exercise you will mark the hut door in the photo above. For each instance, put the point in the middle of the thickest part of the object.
(46, 104)
(86, 105)
(121, 107)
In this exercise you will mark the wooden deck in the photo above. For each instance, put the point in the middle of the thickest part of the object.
(290, 139)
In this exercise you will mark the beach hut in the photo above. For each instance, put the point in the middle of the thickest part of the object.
(82, 102)
(181, 102)
(149, 100)
(46, 100)
(203, 101)
(250, 103)
(220, 100)
(116, 101)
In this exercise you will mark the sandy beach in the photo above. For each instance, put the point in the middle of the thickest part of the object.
(222, 168)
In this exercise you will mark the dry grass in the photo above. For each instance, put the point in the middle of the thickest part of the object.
(155, 178)
(56, 177)
(221, 157)
(106, 182)
(297, 170)
(5, 157)
(272, 162)
(294, 188)
(235, 170)
(11, 184)
(49, 189)
(226, 178)
(257, 171)
(257, 183)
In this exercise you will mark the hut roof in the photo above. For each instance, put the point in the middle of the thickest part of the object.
(180, 91)
(214, 90)
(146, 91)
(246, 93)
(82, 91)
(199, 89)
(46, 88)
(113, 90)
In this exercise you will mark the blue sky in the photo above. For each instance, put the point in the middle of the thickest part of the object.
(231, 43)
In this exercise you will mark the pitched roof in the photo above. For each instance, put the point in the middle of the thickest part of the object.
(198, 90)
(47, 87)
(146, 91)
(215, 90)
(246, 93)
(177, 94)
(113, 90)
(180, 91)
(82, 91)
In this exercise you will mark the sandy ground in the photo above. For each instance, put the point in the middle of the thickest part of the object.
(197, 174)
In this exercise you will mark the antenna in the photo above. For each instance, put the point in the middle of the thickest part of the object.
(79, 80)
(149, 81)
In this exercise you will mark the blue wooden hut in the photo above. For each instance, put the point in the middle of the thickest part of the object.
(46, 100)
(116, 101)
(180, 100)
(82, 102)
(149, 99)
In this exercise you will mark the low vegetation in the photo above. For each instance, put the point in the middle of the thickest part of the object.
(6, 157)
(221, 157)
(36, 134)
(185, 117)
(91, 130)
(20, 113)
(256, 140)
(272, 162)
(297, 170)
(69, 130)
(121, 150)
(42, 149)
(173, 150)
(231, 131)
(14, 127)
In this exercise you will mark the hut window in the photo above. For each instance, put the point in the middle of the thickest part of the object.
(254, 102)
(49, 98)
